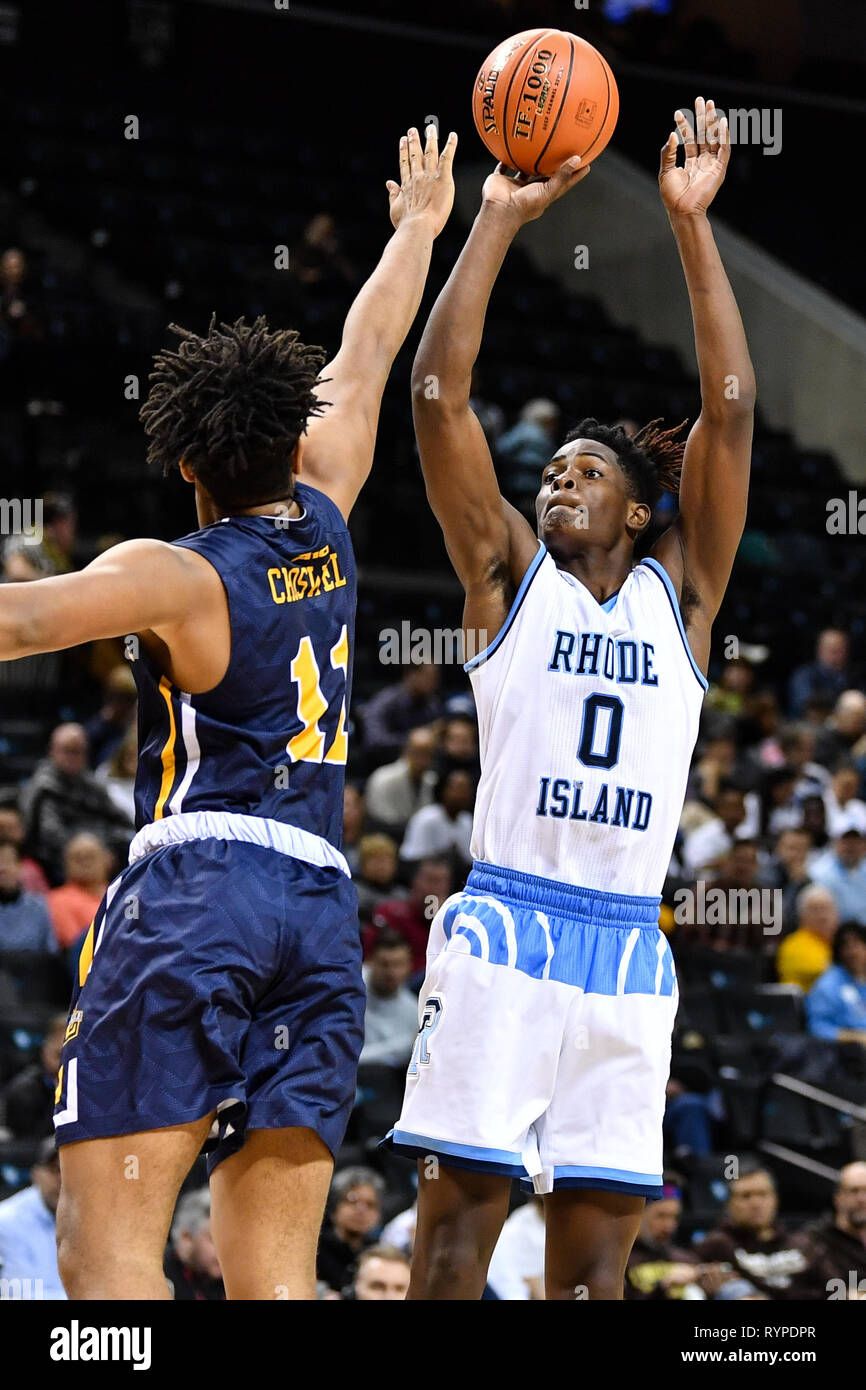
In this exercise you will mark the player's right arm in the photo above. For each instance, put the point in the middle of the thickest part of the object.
(139, 586)
(490, 544)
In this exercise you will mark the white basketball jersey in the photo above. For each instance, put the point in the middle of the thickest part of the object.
(587, 715)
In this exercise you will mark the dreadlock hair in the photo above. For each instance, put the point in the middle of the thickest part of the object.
(233, 405)
(652, 460)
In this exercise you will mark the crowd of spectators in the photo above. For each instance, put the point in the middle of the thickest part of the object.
(774, 825)
(768, 875)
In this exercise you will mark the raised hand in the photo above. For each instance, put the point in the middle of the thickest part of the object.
(689, 189)
(426, 187)
(527, 198)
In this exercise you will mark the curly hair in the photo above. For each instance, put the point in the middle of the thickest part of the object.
(233, 405)
(652, 459)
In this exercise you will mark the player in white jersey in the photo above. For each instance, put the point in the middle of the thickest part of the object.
(550, 993)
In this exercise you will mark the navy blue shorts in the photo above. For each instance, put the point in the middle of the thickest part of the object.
(217, 976)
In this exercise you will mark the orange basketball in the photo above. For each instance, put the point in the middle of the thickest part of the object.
(543, 96)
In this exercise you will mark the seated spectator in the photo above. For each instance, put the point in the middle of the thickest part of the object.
(842, 869)
(410, 917)
(797, 744)
(814, 822)
(765, 724)
(33, 879)
(731, 693)
(398, 709)
(73, 906)
(382, 1275)
(377, 872)
(59, 531)
(396, 791)
(790, 855)
(657, 1268)
(28, 1099)
(807, 952)
(826, 676)
(353, 824)
(445, 828)
(19, 314)
(844, 807)
(516, 1271)
(459, 746)
(753, 1242)
(400, 1230)
(62, 797)
(688, 1117)
(391, 1014)
(714, 765)
(354, 1215)
(839, 1240)
(28, 1228)
(118, 774)
(25, 922)
(318, 259)
(843, 737)
(108, 728)
(192, 1265)
(780, 809)
(706, 847)
(836, 1003)
(529, 445)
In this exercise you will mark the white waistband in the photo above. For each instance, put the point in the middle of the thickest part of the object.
(230, 825)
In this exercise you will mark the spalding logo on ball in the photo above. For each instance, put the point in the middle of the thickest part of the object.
(543, 96)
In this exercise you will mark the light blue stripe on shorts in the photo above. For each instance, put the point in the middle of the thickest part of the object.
(601, 943)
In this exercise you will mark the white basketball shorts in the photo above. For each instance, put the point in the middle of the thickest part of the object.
(545, 1036)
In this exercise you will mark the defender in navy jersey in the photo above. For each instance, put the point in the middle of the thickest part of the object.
(219, 996)
(546, 1012)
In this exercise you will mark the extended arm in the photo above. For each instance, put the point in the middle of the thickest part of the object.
(134, 587)
(701, 546)
(489, 543)
(338, 450)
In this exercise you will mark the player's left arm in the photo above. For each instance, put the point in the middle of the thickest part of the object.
(338, 449)
(698, 550)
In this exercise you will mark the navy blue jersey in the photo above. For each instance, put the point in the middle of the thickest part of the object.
(270, 738)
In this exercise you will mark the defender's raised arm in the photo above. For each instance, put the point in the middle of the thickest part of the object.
(338, 451)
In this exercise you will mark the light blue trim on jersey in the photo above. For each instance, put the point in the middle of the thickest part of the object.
(609, 1174)
(652, 564)
(600, 943)
(512, 612)
(500, 1157)
(609, 603)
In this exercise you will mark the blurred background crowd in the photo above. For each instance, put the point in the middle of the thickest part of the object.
(103, 241)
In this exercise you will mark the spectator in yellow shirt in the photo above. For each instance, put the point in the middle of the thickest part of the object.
(808, 951)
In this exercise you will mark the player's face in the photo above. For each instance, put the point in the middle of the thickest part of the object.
(584, 500)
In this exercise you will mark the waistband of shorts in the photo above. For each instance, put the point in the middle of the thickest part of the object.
(589, 905)
(231, 825)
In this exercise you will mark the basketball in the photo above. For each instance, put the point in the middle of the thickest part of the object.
(543, 96)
